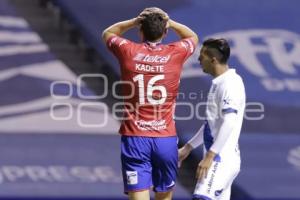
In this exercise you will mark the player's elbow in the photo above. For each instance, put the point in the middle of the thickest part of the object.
(195, 39)
(104, 35)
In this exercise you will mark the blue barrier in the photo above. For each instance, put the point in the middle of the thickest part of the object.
(50, 166)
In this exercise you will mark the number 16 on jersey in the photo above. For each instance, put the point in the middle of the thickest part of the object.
(150, 89)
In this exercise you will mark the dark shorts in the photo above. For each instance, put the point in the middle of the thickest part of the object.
(149, 161)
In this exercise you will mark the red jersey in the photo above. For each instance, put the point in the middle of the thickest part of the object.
(151, 75)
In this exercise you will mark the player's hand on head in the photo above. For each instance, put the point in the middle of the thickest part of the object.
(160, 11)
(150, 10)
(168, 25)
(142, 16)
(138, 20)
(154, 10)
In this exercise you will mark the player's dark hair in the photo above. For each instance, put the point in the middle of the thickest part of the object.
(153, 26)
(218, 48)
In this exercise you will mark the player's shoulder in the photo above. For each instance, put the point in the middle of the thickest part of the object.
(233, 88)
(233, 78)
(183, 44)
(119, 41)
(232, 81)
(237, 81)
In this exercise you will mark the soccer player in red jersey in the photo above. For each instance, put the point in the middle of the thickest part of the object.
(149, 143)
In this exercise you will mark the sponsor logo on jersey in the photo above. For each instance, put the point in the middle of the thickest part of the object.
(191, 46)
(132, 177)
(214, 88)
(171, 184)
(218, 192)
(112, 41)
(188, 45)
(152, 58)
(226, 101)
(151, 125)
(123, 42)
(184, 45)
(212, 177)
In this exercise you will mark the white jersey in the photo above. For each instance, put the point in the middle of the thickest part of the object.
(220, 134)
(226, 95)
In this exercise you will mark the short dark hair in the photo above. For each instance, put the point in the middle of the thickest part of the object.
(218, 48)
(153, 26)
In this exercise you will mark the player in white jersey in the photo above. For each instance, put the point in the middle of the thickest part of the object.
(221, 130)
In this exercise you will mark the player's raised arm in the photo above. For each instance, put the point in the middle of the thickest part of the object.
(183, 31)
(119, 28)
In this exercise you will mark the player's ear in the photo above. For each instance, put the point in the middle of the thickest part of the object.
(214, 60)
(141, 34)
(166, 31)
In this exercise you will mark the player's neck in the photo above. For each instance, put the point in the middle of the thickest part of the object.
(219, 70)
(154, 43)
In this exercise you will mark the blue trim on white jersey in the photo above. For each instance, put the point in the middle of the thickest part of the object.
(217, 158)
(229, 110)
(197, 196)
(218, 192)
(207, 136)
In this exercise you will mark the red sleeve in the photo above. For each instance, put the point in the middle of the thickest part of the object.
(118, 45)
(186, 46)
